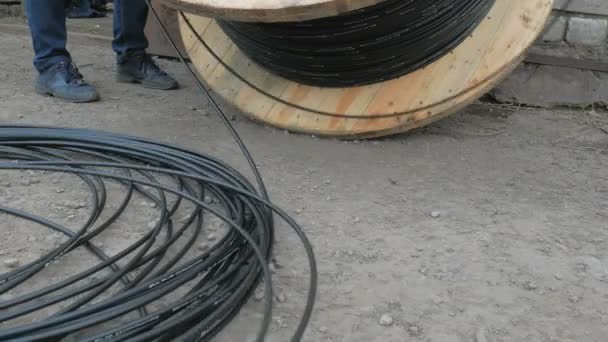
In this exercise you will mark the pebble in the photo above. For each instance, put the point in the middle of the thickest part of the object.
(327, 182)
(211, 236)
(30, 181)
(258, 295)
(530, 285)
(11, 262)
(152, 225)
(75, 205)
(437, 301)
(414, 330)
(386, 320)
(184, 219)
(357, 220)
(60, 191)
(204, 246)
(71, 217)
(480, 336)
(435, 214)
(350, 253)
(323, 329)
(272, 267)
(281, 298)
(451, 313)
(208, 199)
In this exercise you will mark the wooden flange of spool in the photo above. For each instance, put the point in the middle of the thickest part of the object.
(269, 10)
(491, 52)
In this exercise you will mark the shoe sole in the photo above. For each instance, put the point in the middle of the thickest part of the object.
(47, 92)
(150, 85)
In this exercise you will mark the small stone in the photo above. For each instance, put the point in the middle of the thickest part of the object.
(152, 205)
(386, 320)
(435, 214)
(273, 267)
(323, 329)
(327, 182)
(480, 336)
(258, 295)
(184, 219)
(71, 217)
(350, 253)
(152, 224)
(204, 246)
(558, 276)
(357, 220)
(11, 262)
(414, 330)
(75, 205)
(211, 237)
(530, 285)
(281, 298)
(60, 191)
(451, 314)
(437, 301)
(208, 199)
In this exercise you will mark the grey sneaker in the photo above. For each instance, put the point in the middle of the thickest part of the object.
(143, 69)
(64, 82)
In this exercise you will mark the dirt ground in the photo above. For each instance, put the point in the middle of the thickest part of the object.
(489, 226)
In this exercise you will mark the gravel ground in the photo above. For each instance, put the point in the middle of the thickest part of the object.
(489, 226)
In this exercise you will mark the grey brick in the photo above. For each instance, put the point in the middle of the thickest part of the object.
(595, 7)
(556, 29)
(587, 31)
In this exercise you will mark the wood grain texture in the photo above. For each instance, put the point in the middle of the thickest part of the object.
(269, 10)
(459, 78)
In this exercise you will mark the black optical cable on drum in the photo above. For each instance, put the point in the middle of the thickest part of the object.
(370, 45)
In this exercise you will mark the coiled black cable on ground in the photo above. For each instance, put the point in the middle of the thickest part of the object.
(214, 285)
(365, 46)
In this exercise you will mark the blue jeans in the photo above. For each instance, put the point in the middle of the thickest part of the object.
(47, 22)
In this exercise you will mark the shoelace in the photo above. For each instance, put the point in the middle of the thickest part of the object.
(72, 75)
(149, 64)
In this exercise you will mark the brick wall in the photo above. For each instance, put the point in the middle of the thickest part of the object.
(10, 8)
(577, 30)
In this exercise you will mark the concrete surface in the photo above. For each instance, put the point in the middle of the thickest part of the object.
(490, 225)
(551, 86)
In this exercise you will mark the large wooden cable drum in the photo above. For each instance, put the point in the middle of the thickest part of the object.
(416, 99)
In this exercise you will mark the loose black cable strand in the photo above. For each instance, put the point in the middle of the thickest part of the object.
(224, 277)
(98, 317)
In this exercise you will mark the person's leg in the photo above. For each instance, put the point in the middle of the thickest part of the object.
(129, 21)
(58, 76)
(47, 26)
(130, 43)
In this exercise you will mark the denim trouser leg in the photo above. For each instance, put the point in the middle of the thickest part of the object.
(47, 26)
(129, 21)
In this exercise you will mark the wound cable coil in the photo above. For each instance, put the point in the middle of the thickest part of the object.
(159, 287)
(365, 46)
